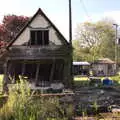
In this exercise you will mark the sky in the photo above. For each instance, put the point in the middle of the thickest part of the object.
(57, 11)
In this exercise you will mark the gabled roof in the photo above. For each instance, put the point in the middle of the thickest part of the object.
(104, 61)
(43, 14)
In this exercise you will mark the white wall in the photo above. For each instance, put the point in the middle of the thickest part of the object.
(38, 22)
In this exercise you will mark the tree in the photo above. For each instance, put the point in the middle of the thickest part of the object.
(13, 24)
(2, 36)
(86, 33)
(79, 53)
(10, 27)
(2, 31)
(97, 38)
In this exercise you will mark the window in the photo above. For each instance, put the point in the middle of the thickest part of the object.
(39, 37)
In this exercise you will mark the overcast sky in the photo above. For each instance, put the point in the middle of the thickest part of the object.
(57, 10)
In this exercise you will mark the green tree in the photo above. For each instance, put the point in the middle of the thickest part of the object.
(79, 53)
(95, 40)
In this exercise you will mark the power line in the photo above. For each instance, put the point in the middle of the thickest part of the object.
(85, 9)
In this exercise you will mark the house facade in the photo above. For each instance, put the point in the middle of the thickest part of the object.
(40, 53)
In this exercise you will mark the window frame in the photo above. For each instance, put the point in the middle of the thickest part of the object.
(36, 38)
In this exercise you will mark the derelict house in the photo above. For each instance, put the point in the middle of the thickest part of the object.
(39, 52)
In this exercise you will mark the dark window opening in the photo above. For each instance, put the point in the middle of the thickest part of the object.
(39, 37)
(80, 70)
(30, 70)
(32, 37)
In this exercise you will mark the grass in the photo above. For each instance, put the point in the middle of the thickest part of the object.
(1, 82)
(84, 81)
(21, 104)
(80, 78)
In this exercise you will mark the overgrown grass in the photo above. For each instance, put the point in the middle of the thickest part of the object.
(1, 82)
(23, 105)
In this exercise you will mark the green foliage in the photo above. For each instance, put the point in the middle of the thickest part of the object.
(116, 80)
(1, 83)
(95, 106)
(94, 40)
(23, 105)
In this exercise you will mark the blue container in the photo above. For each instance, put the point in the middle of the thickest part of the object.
(107, 82)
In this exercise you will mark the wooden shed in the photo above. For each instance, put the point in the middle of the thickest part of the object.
(103, 67)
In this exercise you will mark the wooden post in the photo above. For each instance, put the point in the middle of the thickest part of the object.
(10, 72)
(116, 37)
(5, 79)
(52, 70)
(37, 73)
(23, 69)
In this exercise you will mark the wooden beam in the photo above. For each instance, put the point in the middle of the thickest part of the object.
(23, 68)
(37, 73)
(5, 79)
(52, 70)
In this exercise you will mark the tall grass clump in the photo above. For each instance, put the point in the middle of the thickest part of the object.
(1, 83)
(23, 105)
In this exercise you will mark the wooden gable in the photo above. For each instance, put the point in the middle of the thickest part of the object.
(39, 22)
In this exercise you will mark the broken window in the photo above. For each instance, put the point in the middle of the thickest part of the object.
(39, 37)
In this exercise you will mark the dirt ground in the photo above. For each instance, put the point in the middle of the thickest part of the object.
(103, 116)
(92, 99)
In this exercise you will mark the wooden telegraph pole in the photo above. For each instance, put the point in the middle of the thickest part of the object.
(116, 26)
(70, 40)
(70, 22)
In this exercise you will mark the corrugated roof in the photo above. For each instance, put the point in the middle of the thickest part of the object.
(81, 63)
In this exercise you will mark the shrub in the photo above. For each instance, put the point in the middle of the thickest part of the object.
(23, 105)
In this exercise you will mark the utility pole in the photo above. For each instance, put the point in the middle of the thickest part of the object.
(116, 27)
(70, 41)
(70, 22)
